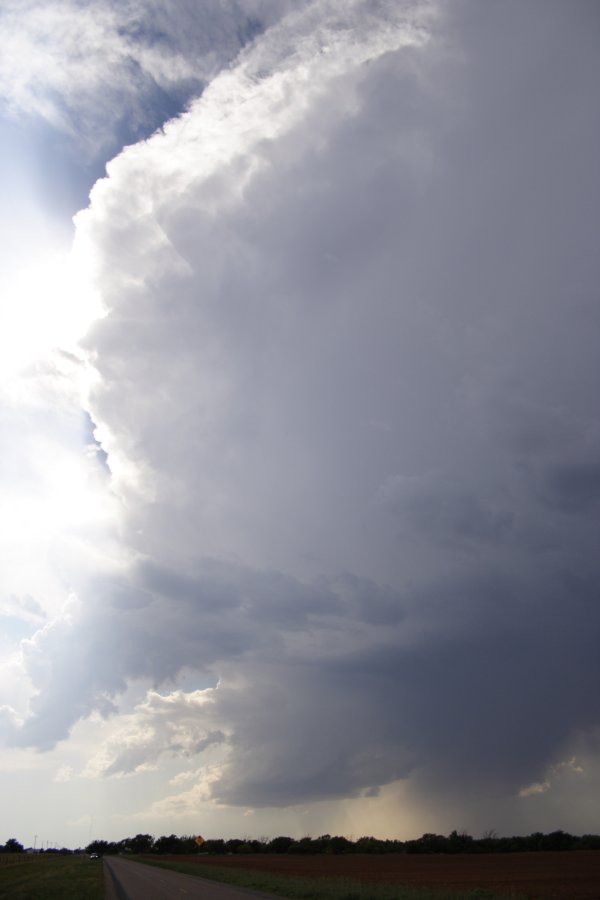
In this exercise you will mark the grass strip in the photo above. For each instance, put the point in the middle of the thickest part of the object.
(53, 878)
(302, 888)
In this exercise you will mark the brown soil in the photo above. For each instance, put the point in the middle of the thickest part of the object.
(573, 875)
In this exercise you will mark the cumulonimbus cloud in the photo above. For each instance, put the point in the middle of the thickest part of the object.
(345, 390)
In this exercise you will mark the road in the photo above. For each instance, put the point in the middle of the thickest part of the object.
(126, 880)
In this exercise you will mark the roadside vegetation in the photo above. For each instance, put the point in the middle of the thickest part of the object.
(301, 888)
(50, 876)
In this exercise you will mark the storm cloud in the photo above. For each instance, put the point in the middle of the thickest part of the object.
(346, 385)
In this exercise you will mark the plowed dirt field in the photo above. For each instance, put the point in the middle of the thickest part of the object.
(571, 875)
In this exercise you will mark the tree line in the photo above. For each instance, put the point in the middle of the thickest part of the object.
(455, 842)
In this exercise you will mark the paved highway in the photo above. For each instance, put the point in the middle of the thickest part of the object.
(126, 880)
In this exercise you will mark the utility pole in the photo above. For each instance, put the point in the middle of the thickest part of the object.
(34, 842)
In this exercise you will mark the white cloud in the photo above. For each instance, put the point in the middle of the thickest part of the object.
(557, 777)
(538, 787)
(184, 777)
(172, 723)
(186, 803)
(85, 67)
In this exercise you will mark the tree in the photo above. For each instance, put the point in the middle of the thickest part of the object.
(280, 844)
(338, 844)
(304, 845)
(12, 846)
(168, 844)
(141, 843)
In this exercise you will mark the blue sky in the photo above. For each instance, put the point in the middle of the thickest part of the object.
(300, 465)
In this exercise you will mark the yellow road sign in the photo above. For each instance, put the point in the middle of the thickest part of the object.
(199, 840)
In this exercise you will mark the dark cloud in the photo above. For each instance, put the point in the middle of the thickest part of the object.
(572, 487)
(436, 509)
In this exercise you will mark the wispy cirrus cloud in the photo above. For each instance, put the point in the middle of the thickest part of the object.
(94, 70)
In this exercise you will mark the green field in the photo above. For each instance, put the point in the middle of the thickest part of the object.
(79, 878)
(50, 878)
(302, 888)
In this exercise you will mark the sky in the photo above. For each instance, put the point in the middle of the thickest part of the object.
(300, 466)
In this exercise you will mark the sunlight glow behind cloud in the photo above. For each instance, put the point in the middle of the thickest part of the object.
(47, 305)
